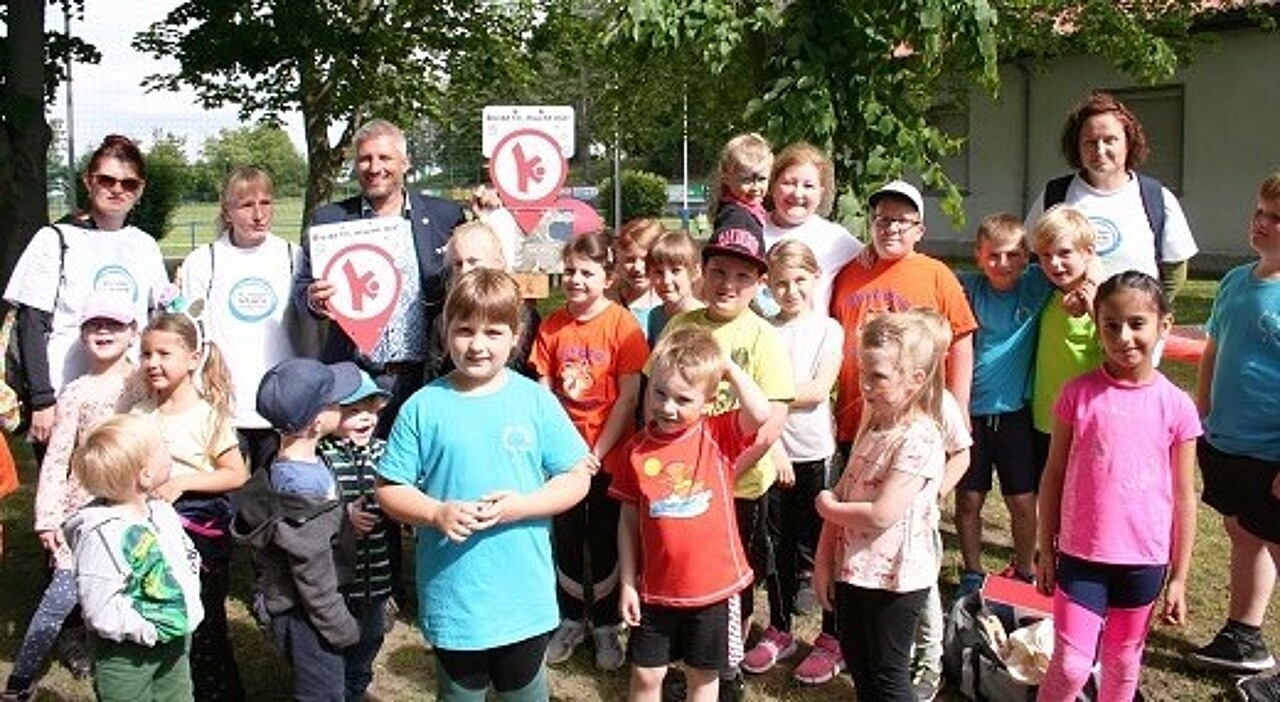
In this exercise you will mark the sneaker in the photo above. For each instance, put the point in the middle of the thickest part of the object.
(18, 691)
(565, 640)
(927, 686)
(733, 689)
(609, 653)
(970, 582)
(72, 654)
(1259, 688)
(774, 646)
(822, 664)
(390, 611)
(1233, 651)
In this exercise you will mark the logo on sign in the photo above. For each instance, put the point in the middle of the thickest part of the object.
(527, 168)
(367, 286)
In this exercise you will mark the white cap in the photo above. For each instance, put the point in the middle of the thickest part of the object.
(899, 188)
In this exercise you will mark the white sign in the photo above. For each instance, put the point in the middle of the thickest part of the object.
(501, 120)
(362, 259)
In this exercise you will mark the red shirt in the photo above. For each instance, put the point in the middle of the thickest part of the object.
(682, 488)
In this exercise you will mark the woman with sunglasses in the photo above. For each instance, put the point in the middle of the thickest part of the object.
(84, 254)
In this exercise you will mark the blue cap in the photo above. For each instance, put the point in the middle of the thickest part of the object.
(367, 388)
(294, 392)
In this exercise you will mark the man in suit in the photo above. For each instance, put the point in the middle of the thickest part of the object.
(397, 359)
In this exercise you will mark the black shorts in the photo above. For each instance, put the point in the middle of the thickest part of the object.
(1003, 442)
(698, 636)
(1240, 487)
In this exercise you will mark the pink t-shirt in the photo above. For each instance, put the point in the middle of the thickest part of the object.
(1117, 494)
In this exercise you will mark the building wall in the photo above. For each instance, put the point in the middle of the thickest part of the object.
(1230, 140)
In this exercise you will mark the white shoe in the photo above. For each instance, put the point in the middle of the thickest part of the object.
(565, 640)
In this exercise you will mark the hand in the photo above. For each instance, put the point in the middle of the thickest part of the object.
(1079, 302)
(786, 472)
(1046, 572)
(1174, 612)
(318, 294)
(42, 424)
(459, 520)
(361, 520)
(484, 200)
(51, 539)
(629, 604)
(823, 587)
(826, 503)
(169, 492)
(502, 506)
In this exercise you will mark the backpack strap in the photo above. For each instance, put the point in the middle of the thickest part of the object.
(1055, 191)
(213, 266)
(1152, 191)
(62, 263)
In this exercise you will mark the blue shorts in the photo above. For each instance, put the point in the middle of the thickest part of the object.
(1002, 444)
(1240, 487)
(1098, 586)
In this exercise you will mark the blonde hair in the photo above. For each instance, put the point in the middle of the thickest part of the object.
(640, 232)
(792, 253)
(693, 353)
(1000, 228)
(1059, 222)
(477, 229)
(214, 377)
(241, 180)
(110, 458)
(801, 153)
(1270, 188)
(748, 149)
(915, 340)
(484, 295)
(674, 248)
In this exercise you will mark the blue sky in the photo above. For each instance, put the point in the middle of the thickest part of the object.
(108, 97)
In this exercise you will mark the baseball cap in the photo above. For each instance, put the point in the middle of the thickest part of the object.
(116, 307)
(294, 392)
(367, 388)
(901, 189)
(737, 233)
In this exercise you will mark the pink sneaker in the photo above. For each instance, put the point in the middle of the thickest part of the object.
(822, 664)
(774, 646)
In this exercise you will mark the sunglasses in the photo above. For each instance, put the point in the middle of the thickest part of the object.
(106, 182)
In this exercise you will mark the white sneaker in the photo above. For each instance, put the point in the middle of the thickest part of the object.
(609, 653)
(565, 640)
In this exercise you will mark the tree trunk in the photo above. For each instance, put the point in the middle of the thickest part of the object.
(323, 160)
(24, 143)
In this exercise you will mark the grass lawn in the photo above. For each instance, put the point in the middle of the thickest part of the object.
(405, 670)
(193, 225)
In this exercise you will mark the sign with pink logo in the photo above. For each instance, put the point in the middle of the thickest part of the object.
(362, 258)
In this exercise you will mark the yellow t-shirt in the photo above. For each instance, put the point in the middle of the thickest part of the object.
(754, 345)
(194, 435)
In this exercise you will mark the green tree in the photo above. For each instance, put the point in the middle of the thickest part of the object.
(337, 62)
(643, 195)
(860, 77)
(265, 145)
(169, 177)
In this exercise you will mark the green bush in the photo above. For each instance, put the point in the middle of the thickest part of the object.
(644, 194)
(168, 177)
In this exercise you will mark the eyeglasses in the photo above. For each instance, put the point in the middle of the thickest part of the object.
(106, 182)
(891, 223)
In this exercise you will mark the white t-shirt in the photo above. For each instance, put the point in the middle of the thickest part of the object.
(1124, 237)
(809, 434)
(832, 245)
(245, 311)
(123, 262)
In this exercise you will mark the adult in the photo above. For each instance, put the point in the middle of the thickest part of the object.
(1104, 143)
(397, 359)
(84, 254)
(245, 278)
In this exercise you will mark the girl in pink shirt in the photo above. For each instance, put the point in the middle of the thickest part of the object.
(1117, 503)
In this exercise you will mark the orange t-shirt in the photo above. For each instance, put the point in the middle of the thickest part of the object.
(682, 488)
(584, 360)
(890, 286)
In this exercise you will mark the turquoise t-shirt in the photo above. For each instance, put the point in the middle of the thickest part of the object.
(498, 586)
(1244, 416)
(1005, 343)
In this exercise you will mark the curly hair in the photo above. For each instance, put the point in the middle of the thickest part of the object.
(1100, 103)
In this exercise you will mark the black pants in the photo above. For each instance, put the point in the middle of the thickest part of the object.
(586, 548)
(753, 516)
(876, 631)
(214, 673)
(794, 526)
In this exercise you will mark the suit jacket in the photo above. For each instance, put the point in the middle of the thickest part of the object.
(433, 220)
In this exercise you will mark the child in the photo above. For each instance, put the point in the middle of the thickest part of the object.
(590, 354)
(352, 452)
(195, 420)
(631, 286)
(680, 556)
(1067, 343)
(137, 573)
(1239, 397)
(1117, 501)
(879, 554)
(815, 343)
(291, 513)
(743, 176)
(675, 274)
(734, 268)
(1007, 298)
(480, 460)
(107, 332)
(802, 189)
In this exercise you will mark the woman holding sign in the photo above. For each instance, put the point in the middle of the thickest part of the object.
(245, 278)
